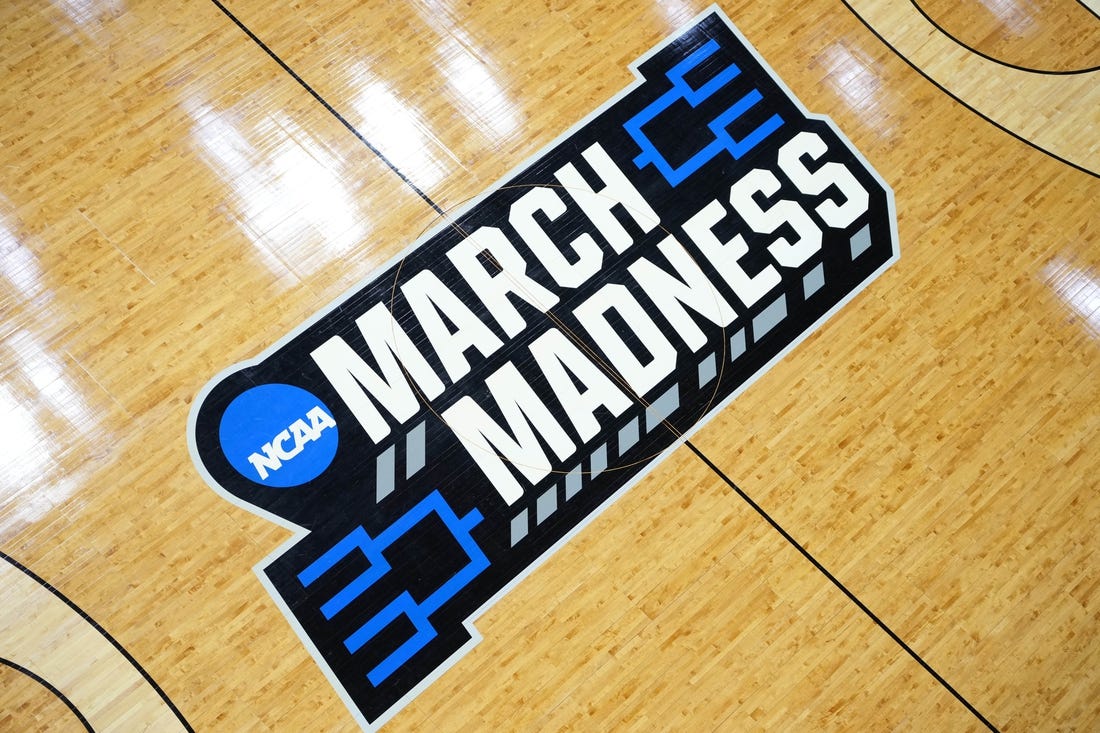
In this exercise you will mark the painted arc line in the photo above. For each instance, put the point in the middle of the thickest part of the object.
(972, 81)
(51, 639)
(49, 689)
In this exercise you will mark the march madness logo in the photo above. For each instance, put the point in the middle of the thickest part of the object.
(435, 433)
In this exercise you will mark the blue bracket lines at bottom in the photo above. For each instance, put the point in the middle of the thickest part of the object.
(404, 605)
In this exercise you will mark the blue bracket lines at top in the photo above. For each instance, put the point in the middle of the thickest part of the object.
(723, 140)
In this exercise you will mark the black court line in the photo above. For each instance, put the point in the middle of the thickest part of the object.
(106, 635)
(946, 91)
(843, 589)
(332, 110)
(994, 59)
(53, 690)
(756, 507)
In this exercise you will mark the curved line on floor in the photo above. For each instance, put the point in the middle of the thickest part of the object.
(946, 91)
(104, 633)
(994, 59)
(53, 690)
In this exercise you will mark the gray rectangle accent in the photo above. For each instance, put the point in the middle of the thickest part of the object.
(861, 241)
(546, 504)
(384, 474)
(628, 436)
(597, 462)
(737, 344)
(814, 280)
(519, 527)
(414, 450)
(769, 318)
(708, 369)
(662, 407)
(572, 483)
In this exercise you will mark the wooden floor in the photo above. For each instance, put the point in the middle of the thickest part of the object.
(173, 200)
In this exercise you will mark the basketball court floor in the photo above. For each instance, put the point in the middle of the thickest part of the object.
(894, 527)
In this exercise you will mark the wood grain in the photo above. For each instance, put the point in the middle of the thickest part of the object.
(172, 201)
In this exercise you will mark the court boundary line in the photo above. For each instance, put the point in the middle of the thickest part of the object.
(958, 100)
(839, 585)
(332, 110)
(1051, 72)
(104, 633)
(710, 464)
(50, 688)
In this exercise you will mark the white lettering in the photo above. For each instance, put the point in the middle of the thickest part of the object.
(689, 287)
(561, 361)
(592, 314)
(319, 421)
(493, 289)
(565, 273)
(264, 461)
(617, 190)
(349, 374)
(483, 437)
(277, 446)
(428, 296)
(302, 435)
(830, 174)
(725, 256)
(767, 221)
(274, 454)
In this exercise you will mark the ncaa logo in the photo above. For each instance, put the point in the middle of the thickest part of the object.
(278, 435)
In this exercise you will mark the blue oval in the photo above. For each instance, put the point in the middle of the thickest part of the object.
(278, 435)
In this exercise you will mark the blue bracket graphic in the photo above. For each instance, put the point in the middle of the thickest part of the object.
(417, 613)
(723, 141)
